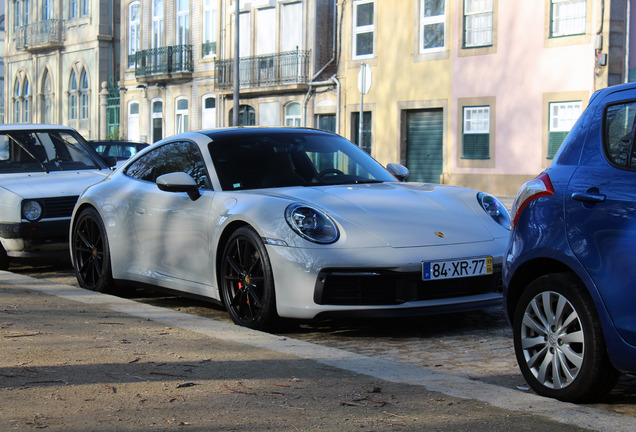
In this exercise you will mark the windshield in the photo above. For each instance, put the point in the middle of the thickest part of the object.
(54, 150)
(280, 159)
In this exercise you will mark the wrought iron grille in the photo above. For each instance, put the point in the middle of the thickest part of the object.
(164, 60)
(289, 67)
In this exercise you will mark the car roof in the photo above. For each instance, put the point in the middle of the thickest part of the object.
(250, 131)
(33, 126)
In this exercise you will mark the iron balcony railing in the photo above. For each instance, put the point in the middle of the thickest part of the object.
(164, 60)
(40, 34)
(289, 67)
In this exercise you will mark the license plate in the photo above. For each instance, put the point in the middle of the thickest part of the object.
(456, 268)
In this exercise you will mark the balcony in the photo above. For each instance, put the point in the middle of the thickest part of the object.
(265, 72)
(40, 36)
(163, 64)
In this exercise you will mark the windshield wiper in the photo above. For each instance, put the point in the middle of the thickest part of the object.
(23, 147)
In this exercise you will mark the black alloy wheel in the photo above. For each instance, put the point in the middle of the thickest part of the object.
(247, 283)
(559, 341)
(91, 255)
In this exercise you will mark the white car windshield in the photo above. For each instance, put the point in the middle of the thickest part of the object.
(266, 160)
(36, 151)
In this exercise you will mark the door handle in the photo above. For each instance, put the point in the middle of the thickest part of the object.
(139, 211)
(589, 196)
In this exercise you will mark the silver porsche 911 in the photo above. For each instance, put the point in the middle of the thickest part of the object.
(288, 223)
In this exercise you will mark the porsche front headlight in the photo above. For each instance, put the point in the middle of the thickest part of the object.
(495, 209)
(311, 224)
(31, 210)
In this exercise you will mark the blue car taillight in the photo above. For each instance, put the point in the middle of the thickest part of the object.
(536, 188)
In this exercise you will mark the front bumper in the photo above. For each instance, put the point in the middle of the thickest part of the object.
(26, 237)
(380, 281)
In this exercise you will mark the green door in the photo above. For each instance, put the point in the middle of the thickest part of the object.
(424, 144)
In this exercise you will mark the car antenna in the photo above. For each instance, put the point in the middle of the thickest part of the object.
(23, 147)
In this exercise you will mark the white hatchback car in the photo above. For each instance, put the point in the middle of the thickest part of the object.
(43, 169)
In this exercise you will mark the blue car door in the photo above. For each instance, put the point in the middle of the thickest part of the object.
(600, 206)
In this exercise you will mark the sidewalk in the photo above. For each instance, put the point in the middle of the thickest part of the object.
(74, 360)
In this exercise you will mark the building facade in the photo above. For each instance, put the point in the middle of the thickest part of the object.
(180, 59)
(58, 54)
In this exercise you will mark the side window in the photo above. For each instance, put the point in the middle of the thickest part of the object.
(619, 135)
(180, 156)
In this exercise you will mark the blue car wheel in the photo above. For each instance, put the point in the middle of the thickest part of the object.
(559, 342)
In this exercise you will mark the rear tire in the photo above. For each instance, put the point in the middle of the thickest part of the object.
(559, 341)
(91, 253)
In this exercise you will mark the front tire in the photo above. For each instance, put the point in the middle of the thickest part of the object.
(91, 253)
(247, 282)
(559, 341)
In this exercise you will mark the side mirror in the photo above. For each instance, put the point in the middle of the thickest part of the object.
(179, 182)
(398, 171)
(111, 161)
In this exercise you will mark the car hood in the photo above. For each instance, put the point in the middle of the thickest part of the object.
(400, 214)
(53, 184)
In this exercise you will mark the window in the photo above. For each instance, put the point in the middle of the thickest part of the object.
(366, 130)
(326, 122)
(21, 99)
(21, 11)
(292, 114)
(78, 8)
(432, 25)
(17, 102)
(567, 17)
(47, 10)
(208, 116)
(563, 115)
(157, 120)
(478, 23)
(183, 22)
(181, 116)
(134, 37)
(84, 7)
(476, 136)
(47, 98)
(246, 116)
(133, 121)
(363, 29)
(83, 100)
(209, 28)
(72, 97)
(26, 102)
(157, 23)
(291, 27)
(180, 156)
(619, 135)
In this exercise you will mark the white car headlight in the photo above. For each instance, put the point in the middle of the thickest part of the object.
(495, 209)
(31, 210)
(311, 224)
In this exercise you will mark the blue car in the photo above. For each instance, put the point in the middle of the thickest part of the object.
(570, 267)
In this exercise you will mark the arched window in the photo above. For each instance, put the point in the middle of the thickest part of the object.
(21, 99)
(246, 117)
(181, 116)
(83, 96)
(72, 97)
(208, 114)
(133, 121)
(157, 120)
(17, 102)
(46, 108)
(292, 114)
